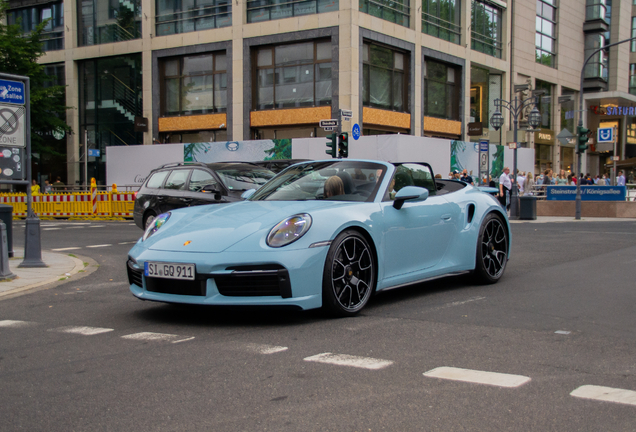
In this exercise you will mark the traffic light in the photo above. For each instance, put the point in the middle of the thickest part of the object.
(343, 145)
(582, 139)
(332, 145)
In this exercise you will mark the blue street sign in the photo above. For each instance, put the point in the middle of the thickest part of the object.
(588, 193)
(605, 135)
(355, 131)
(12, 92)
(483, 145)
(93, 152)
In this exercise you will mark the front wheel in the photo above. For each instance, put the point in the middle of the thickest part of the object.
(492, 250)
(349, 275)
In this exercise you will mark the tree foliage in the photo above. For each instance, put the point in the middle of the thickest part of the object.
(19, 54)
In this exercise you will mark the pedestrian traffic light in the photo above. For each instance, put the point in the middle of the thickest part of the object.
(582, 139)
(343, 145)
(332, 146)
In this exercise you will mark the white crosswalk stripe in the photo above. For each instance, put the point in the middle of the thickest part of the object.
(157, 337)
(86, 331)
(99, 246)
(12, 323)
(349, 360)
(606, 394)
(477, 377)
(265, 349)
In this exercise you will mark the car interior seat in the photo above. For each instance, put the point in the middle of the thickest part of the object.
(347, 181)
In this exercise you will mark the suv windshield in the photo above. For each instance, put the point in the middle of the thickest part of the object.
(332, 180)
(244, 178)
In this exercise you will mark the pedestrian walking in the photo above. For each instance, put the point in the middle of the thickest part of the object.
(505, 185)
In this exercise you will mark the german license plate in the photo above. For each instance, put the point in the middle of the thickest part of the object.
(169, 270)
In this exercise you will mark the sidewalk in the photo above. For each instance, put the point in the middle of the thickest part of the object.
(60, 267)
(546, 219)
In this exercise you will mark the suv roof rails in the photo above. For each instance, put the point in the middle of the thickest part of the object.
(175, 164)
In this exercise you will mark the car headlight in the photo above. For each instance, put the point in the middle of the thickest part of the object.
(155, 225)
(289, 230)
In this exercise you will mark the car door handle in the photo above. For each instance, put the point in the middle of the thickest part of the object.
(446, 217)
(186, 200)
(160, 198)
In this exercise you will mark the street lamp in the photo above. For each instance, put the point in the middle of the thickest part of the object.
(497, 120)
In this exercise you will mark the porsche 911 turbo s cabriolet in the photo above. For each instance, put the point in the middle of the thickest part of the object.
(323, 234)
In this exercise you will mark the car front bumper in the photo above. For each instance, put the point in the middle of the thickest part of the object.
(269, 278)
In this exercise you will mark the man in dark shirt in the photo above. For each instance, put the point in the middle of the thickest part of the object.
(466, 178)
(58, 185)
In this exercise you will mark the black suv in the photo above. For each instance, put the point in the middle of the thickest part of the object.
(178, 185)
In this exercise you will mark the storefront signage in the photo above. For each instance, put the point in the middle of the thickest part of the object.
(475, 129)
(588, 193)
(141, 124)
(614, 110)
(544, 136)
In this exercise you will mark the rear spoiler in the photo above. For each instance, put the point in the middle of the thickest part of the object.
(488, 190)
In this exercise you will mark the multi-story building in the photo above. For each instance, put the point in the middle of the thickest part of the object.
(170, 71)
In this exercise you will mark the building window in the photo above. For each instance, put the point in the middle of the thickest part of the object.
(266, 10)
(294, 75)
(440, 18)
(633, 43)
(441, 90)
(486, 28)
(105, 21)
(594, 10)
(175, 16)
(545, 103)
(396, 11)
(545, 38)
(597, 66)
(194, 84)
(632, 78)
(384, 78)
(28, 18)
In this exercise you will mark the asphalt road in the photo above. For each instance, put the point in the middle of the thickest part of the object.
(86, 355)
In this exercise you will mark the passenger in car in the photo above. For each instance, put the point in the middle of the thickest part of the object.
(334, 186)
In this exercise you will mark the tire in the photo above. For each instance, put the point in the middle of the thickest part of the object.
(492, 250)
(349, 275)
(148, 218)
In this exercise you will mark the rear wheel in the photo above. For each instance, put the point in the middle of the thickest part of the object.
(349, 275)
(492, 250)
(149, 217)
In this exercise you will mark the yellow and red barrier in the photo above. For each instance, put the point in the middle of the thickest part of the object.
(70, 204)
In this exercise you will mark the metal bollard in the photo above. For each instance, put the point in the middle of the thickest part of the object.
(5, 271)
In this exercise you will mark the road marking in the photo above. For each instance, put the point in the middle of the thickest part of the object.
(149, 336)
(562, 332)
(86, 331)
(96, 226)
(479, 377)
(65, 249)
(265, 349)
(458, 303)
(132, 242)
(98, 246)
(12, 323)
(50, 229)
(606, 394)
(349, 360)
(73, 227)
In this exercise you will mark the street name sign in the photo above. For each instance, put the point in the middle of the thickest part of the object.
(346, 114)
(331, 123)
(12, 92)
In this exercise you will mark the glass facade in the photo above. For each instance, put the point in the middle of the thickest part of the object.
(384, 77)
(633, 43)
(597, 66)
(183, 16)
(486, 28)
(194, 84)
(441, 18)
(545, 37)
(265, 10)
(545, 103)
(105, 21)
(441, 90)
(396, 11)
(594, 10)
(293, 76)
(632, 78)
(110, 98)
(29, 18)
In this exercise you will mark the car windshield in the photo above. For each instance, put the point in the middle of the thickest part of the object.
(332, 180)
(244, 178)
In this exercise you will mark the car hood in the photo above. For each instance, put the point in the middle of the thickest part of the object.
(214, 228)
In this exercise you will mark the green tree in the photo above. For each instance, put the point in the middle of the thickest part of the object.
(19, 54)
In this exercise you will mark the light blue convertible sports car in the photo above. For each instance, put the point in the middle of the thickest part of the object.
(323, 234)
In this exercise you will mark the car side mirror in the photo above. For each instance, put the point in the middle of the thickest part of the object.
(212, 188)
(409, 193)
(248, 193)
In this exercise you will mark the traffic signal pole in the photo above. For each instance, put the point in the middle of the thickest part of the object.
(577, 215)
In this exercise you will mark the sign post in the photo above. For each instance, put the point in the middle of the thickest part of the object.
(15, 134)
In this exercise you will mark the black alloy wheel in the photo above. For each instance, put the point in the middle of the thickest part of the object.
(492, 249)
(349, 275)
